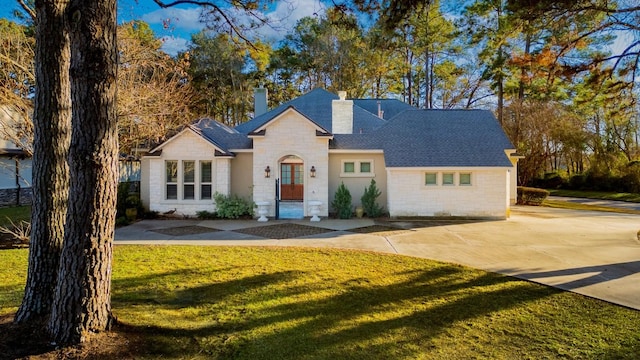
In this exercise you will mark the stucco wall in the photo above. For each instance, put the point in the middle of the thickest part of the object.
(291, 134)
(488, 196)
(186, 146)
(241, 175)
(357, 184)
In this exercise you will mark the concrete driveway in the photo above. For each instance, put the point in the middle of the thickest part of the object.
(592, 253)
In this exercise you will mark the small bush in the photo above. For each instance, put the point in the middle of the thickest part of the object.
(550, 181)
(127, 200)
(531, 196)
(577, 182)
(150, 215)
(122, 221)
(123, 194)
(342, 202)
(232, 207)
(206, 215)
(368, 199)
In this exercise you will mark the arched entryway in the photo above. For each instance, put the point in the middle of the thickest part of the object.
(291, 187)
(291, 178)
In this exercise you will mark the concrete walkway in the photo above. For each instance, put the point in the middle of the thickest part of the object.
(592, 253)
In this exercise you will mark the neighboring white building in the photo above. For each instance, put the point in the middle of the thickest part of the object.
(15, 162)
(425, 162)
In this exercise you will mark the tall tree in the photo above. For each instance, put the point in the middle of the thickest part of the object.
(330, 53)
(434, 40)
(51, 121)
(155, 94)
(17, 82)
(82, 302)
(488, 25)
(216, 68)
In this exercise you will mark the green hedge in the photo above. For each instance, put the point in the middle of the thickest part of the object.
(531, 196)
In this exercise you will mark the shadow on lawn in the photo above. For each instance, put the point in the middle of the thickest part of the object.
(599, 274)
(331, 327)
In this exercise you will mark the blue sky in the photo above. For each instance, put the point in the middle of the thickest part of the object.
(175, 25)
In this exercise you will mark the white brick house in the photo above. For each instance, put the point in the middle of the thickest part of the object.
(425, 162)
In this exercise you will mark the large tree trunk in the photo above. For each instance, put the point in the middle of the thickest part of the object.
(52, 127)
(82, 302)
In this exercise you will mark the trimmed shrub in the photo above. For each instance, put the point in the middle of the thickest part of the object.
(577, 182)
(368, 199)
(206, 215)
(531, 196)
(342, 202)
(232, 207)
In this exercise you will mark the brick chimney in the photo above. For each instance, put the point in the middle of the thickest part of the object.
(342, 115)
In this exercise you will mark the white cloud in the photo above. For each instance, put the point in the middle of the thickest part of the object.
(286, 15)
(173, 45)
(181, 20)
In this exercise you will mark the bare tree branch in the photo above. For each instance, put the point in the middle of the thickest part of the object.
(26, 8)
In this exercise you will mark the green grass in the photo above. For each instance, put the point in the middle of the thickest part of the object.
(630, 197)
(586, 207)
(287, 303)
(15, 213)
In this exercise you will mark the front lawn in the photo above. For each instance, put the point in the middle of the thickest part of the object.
(287, 303)
(603, 195)
(15, 213)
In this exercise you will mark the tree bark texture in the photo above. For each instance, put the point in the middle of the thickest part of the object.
(82, 302)
(52, 129)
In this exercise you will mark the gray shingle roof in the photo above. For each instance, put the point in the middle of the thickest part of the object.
(316, 105)
(221, 135)
(390, 107)
(414, 138)
(440, 138)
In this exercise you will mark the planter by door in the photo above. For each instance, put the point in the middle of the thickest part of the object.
(292, 181)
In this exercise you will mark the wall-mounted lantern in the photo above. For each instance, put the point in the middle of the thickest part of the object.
(267, 172)
(313, 171)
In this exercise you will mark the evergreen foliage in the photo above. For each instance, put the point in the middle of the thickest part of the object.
(368, 199)
(342, 202)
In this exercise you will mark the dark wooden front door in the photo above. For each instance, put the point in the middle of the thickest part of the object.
(292, 184)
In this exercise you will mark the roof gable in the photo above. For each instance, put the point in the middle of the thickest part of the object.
(186, 130)
(314, 105)
(290, 109)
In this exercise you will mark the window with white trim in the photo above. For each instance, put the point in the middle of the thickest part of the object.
(171, 179)
(447, 179)
(357, 168)
(188, 179)
(464, 179)
(435, 178)
(349, 167)
(205, 180)
(431, 179)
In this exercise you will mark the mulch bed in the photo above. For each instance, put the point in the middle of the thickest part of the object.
(185, 230)
(283, 231)
(379, 230)
(7, 241)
